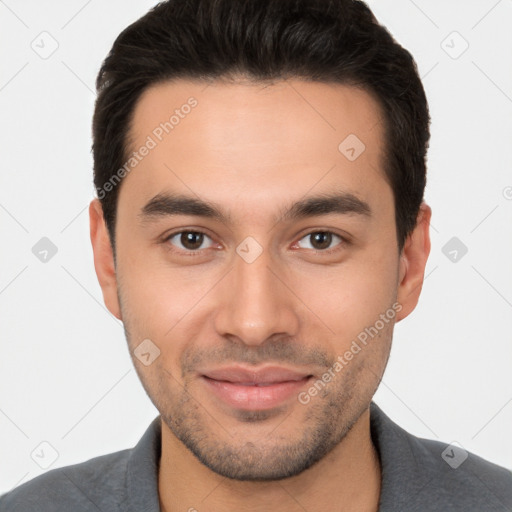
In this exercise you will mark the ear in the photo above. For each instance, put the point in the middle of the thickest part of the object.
(413, 260)
(103, 258)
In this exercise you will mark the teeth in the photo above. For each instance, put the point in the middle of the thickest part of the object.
(255, 384)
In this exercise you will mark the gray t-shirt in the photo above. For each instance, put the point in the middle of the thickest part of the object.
(418, 475)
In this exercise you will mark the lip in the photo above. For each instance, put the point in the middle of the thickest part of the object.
(254, 389)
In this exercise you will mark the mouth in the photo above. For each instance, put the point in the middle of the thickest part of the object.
(255, 389)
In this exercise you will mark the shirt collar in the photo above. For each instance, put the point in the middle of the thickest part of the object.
(142, 470)
(402, 476)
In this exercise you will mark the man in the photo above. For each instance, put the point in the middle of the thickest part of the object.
(259, 229)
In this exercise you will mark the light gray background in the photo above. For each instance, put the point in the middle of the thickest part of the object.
(65, 374)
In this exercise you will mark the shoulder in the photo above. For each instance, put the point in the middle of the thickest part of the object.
(96, 484)
(463, 478)
(425, 475)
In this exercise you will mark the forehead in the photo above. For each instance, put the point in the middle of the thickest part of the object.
(230, 141)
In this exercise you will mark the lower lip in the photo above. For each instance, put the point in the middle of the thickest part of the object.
(255, 397)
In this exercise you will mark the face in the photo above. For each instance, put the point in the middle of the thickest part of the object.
(257, 257)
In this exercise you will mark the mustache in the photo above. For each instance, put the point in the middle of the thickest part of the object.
(281, 351)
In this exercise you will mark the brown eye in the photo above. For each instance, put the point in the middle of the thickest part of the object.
(189, 240)
(319, 240)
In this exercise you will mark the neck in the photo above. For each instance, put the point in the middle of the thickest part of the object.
(346, 479)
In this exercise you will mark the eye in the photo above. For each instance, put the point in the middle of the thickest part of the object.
(189, 240)
(319, 240)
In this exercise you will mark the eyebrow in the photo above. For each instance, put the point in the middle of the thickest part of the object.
(167, 204)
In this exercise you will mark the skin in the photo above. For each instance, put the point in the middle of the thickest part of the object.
(253, 150)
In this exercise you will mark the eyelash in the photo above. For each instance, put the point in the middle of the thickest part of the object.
(343, 242)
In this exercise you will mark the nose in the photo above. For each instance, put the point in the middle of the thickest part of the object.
(256, 303)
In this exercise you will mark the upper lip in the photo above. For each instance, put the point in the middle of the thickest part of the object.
(269, 374)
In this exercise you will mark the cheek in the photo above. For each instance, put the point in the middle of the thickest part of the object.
(351, 296)
(159, 302)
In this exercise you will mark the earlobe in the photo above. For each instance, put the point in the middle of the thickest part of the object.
(103, 258)
(413, 261)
